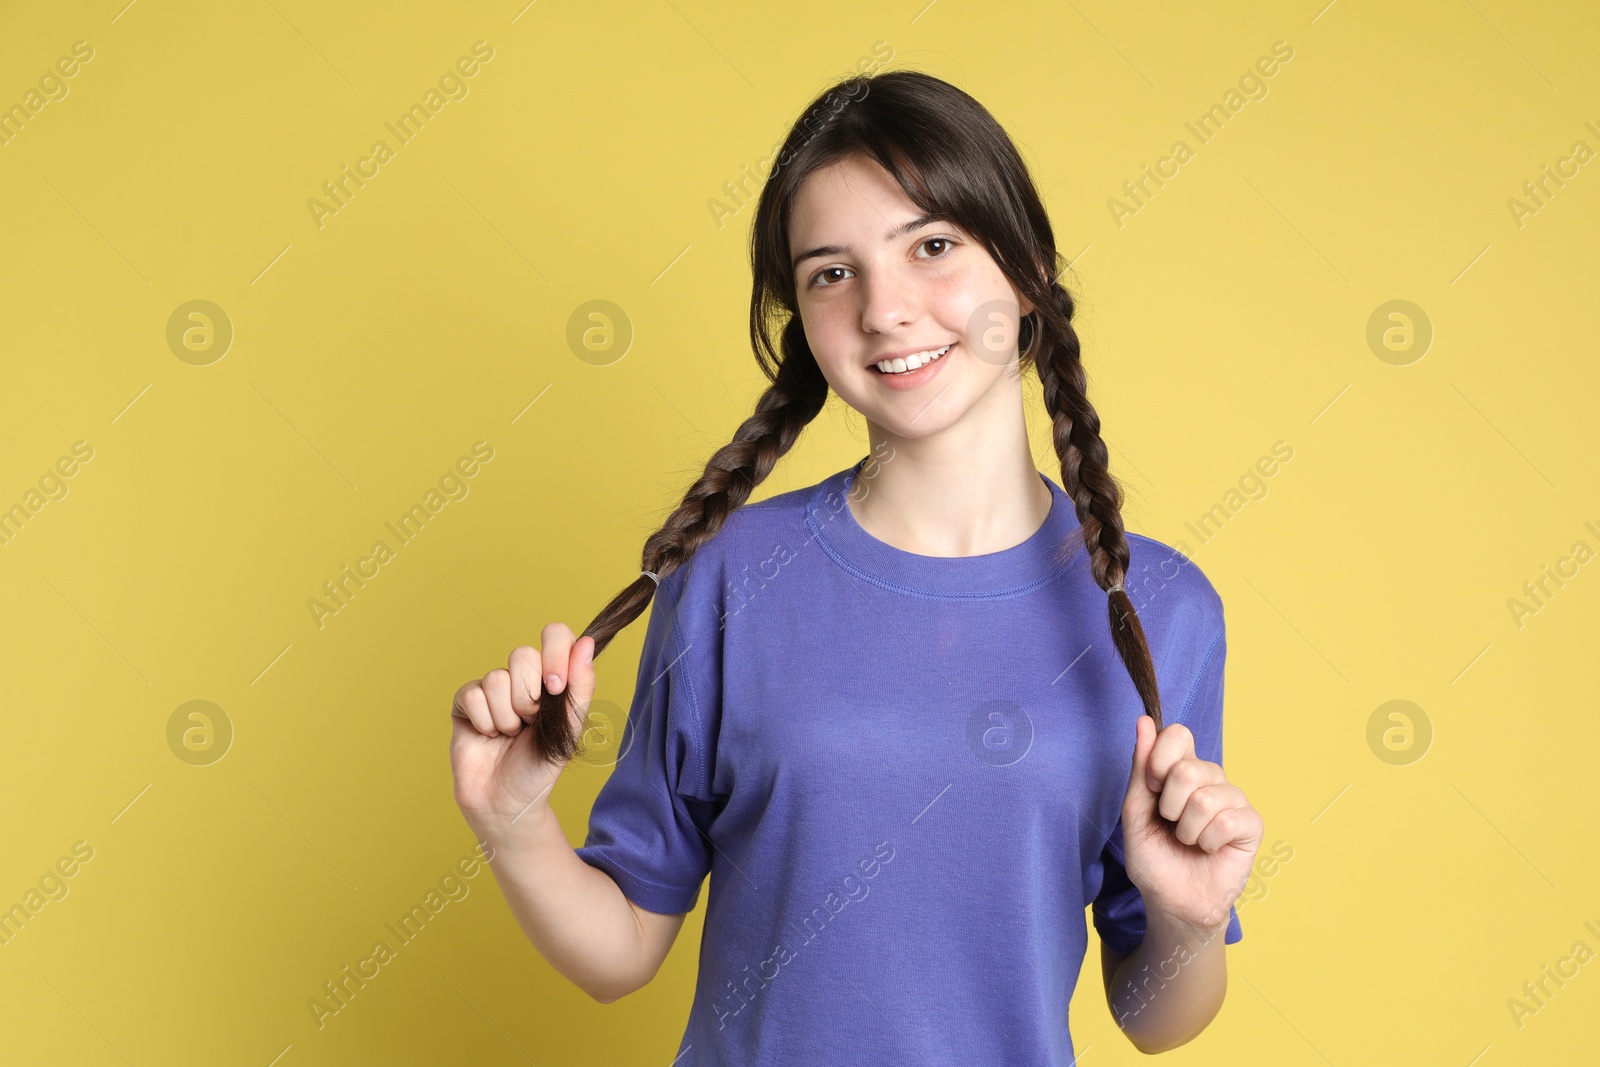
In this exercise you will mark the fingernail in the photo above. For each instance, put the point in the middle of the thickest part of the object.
(1154, 785)
(553, 682)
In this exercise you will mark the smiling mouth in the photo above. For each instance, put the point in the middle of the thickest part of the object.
(916, 361)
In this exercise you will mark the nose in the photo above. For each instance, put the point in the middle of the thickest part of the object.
(889, 301)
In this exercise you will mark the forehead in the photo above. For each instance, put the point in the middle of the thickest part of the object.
(852, 194)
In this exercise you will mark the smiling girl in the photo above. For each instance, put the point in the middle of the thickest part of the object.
(907, 719)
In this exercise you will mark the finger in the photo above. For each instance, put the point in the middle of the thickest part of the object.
(579, 689)
(1238, 827)
(556, 646)
(1183, 778)
(580, 675)
(497, 690)
(1172, 744)
(469, 704)
(1139, 804)
(524, 663)
(1203, 805)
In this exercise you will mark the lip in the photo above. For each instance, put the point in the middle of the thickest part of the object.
(904, 352)
(916, 378)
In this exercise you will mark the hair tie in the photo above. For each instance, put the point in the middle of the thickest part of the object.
(651, 576)
(1114, 589)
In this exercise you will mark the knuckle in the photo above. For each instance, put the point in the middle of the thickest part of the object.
(524, 698)
(475, 705)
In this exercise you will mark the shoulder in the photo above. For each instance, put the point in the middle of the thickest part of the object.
(1181, 614)
(1164, 583)
(754, 541)
(694, 602)
(1182, 617)
(791, 504)
(750, 534)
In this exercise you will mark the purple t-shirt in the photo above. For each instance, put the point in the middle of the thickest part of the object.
(904, 775)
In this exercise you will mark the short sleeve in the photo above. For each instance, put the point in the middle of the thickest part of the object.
(1118, 909)
(650, 822)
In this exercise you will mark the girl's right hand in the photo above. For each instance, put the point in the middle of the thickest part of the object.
(499, 778)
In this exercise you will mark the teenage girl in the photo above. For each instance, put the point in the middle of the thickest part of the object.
(909, 720)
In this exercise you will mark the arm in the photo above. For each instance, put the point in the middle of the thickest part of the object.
(574, 913)
(1189, 838)
(1168, 989)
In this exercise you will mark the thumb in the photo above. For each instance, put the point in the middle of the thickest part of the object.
(580, 677)
(1139, 805)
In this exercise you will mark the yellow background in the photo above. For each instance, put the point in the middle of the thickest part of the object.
(369, 354)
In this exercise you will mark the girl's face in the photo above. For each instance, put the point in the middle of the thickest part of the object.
(882, 284)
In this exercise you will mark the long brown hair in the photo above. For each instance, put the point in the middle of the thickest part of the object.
(954, 161)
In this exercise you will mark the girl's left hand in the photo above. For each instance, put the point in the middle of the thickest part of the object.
(1194, 867)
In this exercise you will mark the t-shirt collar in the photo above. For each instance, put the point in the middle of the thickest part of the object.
(1012, 571)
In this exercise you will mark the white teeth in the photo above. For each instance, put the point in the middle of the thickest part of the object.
(911, 362)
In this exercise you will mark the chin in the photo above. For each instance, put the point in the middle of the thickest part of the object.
(905, 424)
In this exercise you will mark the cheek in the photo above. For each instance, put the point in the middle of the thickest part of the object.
(984, 309)
(828, 327)
(955, 296)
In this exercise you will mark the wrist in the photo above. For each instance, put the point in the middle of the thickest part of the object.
(1172, 926)
(518, 832)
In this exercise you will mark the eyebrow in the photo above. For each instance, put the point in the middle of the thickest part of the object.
(833, 250)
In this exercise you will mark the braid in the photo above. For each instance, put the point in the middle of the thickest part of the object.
(796, 395)
(1087, 478)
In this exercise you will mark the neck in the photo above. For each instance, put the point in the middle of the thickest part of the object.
(966, 491)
